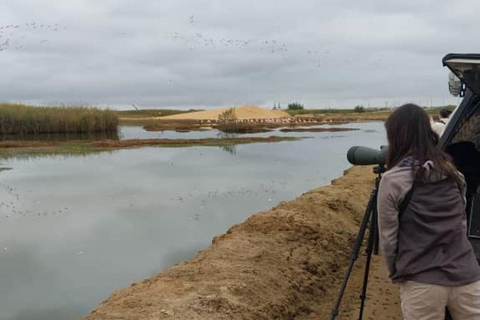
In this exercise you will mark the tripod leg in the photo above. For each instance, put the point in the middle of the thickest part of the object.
(356, 249)
(376, 242)
(447, 315)
(372, 241)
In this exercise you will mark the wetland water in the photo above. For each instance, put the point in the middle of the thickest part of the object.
(74, 229)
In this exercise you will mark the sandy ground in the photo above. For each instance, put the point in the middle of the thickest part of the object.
(284, 263)
(245, 112)
(383, 301)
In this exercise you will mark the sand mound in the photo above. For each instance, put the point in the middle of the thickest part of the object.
(245, 112)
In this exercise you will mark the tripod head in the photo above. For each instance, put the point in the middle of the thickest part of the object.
(379, 169)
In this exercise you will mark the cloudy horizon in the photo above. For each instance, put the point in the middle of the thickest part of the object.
(202, 54)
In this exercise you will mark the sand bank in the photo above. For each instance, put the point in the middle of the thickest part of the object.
(284, 263)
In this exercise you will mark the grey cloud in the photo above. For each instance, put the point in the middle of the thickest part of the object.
(188, 53)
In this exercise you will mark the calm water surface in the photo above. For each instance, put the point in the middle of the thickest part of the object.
(137, 132)
(74, 229)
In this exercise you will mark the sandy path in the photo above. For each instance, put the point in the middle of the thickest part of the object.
(383, 301)
(284, 263)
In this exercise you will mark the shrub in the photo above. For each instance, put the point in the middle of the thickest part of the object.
(295, 106)
(227, 115)
(359, 109)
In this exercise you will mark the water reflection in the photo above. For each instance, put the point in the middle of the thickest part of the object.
(231, 149)
(137, 132)
(61, 136)
(176, 256)
(57, 313)
(21, 268)
(77, 228)
(224, 135)
(63, 153)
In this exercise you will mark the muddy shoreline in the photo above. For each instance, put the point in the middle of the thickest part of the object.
(12, 148)
(188, 126)
(283, 263)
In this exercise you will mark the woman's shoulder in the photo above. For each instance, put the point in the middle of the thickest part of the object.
(397, 180)
(398, 173)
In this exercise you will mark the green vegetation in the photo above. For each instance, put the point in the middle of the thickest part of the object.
(359, 109)
(42, 149)
(295, 106)
(22, 119)
(436, 110)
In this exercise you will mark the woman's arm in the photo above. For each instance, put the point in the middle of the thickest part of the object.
(393, 188)
(463, 192)
(388, 223)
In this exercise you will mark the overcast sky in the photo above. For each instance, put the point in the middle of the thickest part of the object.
(194, 53)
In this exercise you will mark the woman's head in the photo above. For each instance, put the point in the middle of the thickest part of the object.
(409, 133)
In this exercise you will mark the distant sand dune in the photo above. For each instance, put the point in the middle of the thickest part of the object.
(245, 112)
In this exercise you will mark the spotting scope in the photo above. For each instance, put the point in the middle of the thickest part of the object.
(365, 156)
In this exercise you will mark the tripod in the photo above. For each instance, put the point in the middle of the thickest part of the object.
(370, 217)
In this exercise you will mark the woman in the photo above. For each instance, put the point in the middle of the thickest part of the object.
(425, 244)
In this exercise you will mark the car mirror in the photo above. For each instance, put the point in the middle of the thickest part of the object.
(455, 85)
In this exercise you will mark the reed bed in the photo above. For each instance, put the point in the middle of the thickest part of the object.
(22, 119)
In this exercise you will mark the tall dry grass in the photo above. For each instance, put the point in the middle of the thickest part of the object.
(22, 119)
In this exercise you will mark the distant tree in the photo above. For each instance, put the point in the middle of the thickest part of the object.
(295, 106)
(227, 116)
(359, 109)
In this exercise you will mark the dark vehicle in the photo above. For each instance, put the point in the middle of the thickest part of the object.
(461, 137)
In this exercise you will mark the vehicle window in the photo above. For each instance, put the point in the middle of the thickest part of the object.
(469, 130)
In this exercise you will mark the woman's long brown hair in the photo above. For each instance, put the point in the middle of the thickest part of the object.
(409, 133)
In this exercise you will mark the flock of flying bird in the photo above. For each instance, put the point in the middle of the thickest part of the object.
(197, 40)
(17, 37)
(12, 37)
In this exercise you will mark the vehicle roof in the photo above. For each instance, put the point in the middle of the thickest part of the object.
(467, 56)
(471, 99)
